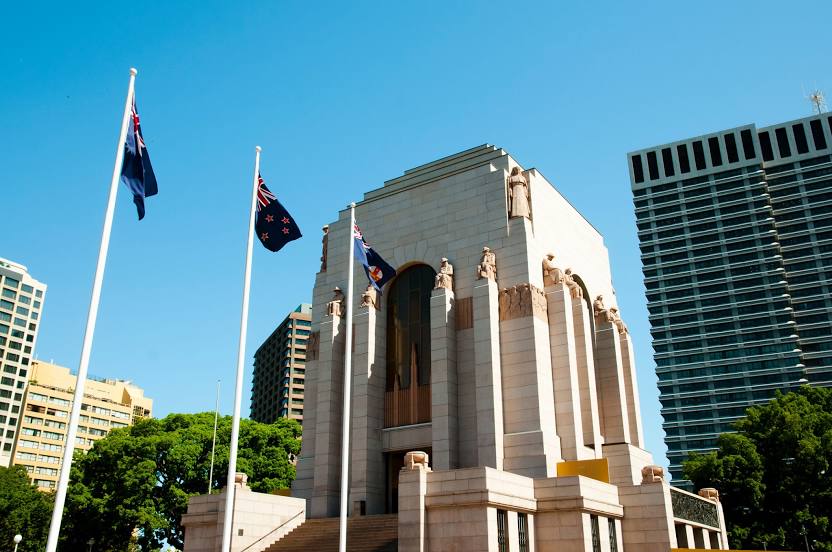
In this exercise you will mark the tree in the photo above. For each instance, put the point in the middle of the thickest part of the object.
(23, 510)
(136, 482)
(774, 473)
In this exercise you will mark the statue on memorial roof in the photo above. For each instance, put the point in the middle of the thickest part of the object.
(445, 276)
(600, 310)
(552, 275)
(574, 289)
(369, 298)
(518, 193)
(336, 306)
(324, 247)
(488, 265)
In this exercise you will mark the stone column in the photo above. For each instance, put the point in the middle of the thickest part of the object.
(615, 420)
(330, 389)
(531, 444)
(631, 390)
(443, 381)
(590, 411)
(648, 517)
(367, 461)
(487, 375)
(303, 484)
(413, 485)
(565, 380)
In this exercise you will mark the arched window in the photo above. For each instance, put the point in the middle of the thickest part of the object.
(408, 347)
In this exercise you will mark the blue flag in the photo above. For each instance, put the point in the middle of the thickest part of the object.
(377, 269)
(274, 225)
(136, 172)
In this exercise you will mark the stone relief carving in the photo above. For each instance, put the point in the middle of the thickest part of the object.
(600, 311)
(445, 276)
(312, 345)
(522, 300)
(369, 298)
(324, 246)
(692, 508)
(574, 289)
(336, 306)
(616, 318)
(552, 275)
(488, 265)
(518, 193)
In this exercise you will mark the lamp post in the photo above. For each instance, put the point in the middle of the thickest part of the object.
(17, 539)
(91, 542)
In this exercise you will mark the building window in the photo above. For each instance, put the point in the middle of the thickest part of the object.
(652, 165)
(523, 531)
(699, 155)
(800, 138)
(407, 397)
(502, 524)
(782, 142)
(613, 535)
(765, 144)
(817, 134)
(731, 148)
(684, 160)
(716, 156)
(667, 161)
(596, 534)
(638, 169)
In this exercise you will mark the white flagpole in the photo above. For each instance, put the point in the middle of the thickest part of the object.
(345, 434)
(214, 440)
(92, 314)
(238, 390)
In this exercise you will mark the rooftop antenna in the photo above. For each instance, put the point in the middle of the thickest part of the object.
(817, 99)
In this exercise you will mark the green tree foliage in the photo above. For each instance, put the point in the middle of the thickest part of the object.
(23, 510)
(774, 475)
(135, 483)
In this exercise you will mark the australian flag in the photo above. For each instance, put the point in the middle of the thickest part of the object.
(274, 225)
(136, 172)
(377, 269)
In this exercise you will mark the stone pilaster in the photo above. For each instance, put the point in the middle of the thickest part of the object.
(590, 410)
(443, 381)
(413, 486)
(487, 375)
(648, 521)
(367, 457)
(330, 390)
(615, 419)
(631, 390)
(565, 380)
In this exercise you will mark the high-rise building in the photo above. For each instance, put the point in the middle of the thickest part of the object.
(280, 369)
(107, 404)
(735, 231)
(21, 305)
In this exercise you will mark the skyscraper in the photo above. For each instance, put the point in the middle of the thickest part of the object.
(108, 404)
(735, 231)
(280, 369)
(21, 304)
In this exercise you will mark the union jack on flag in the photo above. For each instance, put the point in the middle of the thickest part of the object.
(136, 172)
(376, 268)
(274, 225)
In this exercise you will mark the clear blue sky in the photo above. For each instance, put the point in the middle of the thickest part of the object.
(341, 96)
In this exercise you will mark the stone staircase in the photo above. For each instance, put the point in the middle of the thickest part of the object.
(364, 534)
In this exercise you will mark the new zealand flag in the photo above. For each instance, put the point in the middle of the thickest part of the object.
(136, 172)
(377, 269)
(274, 225)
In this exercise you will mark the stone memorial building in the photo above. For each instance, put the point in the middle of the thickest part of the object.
(499, 354)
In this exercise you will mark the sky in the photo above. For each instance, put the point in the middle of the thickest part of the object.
(341, 96)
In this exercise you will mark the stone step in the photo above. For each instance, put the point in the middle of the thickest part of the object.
(364, 534)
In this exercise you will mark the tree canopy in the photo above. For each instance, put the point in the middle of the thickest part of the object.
(773, 475)
(23, 510)
(134, 484)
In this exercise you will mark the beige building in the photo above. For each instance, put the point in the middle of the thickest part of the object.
(108, 404)
(280, 369)
(21, 306)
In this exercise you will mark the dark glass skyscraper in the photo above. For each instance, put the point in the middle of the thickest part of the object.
(735, 231)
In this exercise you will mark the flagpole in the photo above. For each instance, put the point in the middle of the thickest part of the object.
(345, 434)
(214, 440)
(238, 390)
(92, 314)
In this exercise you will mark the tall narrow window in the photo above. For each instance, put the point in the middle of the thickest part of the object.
(731, 148)
(638, 169)
(596, 533)
(716, 155)
(613, 535)
(783, 142)
(800, 138)
(747, 144)
(407, 397)
(817, 134)
(765, 145)
(502, 537)
(523, 531)
(652, 165)
(684, 160)
(667, 161)
(699, 155)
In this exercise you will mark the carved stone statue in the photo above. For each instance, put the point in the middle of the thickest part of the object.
(336, 306)
(504, 303)
(369, 298)
(710, 493)
(574, 289)
(514, 309)
(488, 265)
(552, 275)
(600, 311)
(445, 276)
(525, 299)
(616, 318)
(416, 460)
(312, 345)
(324, 246)
(518, 193)
(652, 474)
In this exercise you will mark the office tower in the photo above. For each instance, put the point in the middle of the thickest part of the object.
(280, 369)
(21, 305)
(735, 231)
(107, 404)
